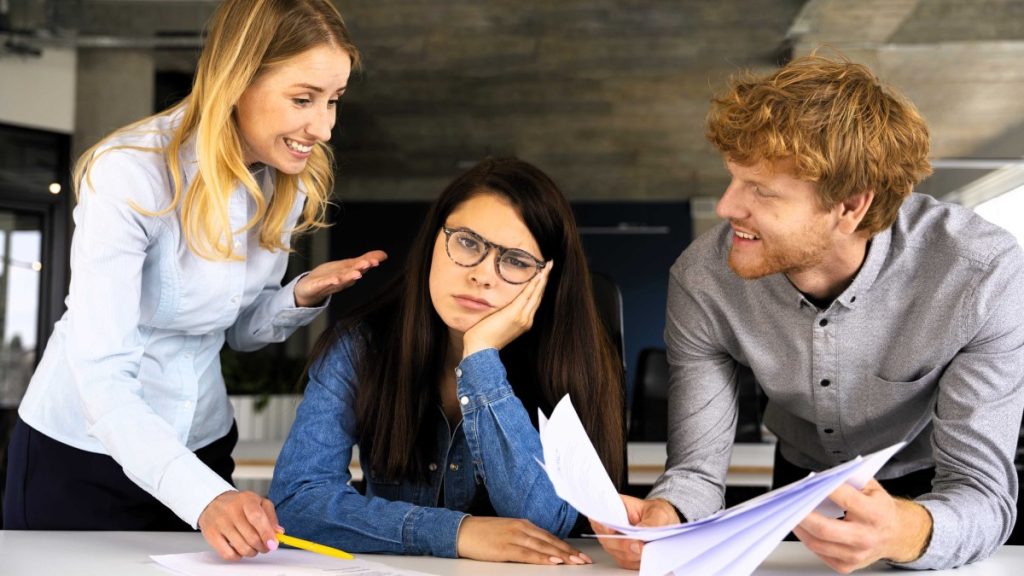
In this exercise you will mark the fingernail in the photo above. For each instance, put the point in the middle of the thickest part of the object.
(280, 529)
(634, 547)
(587, 558)
(556, 560)
(272, 544)
(576, 559)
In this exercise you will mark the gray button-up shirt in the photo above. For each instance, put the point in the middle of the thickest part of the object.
(925, 345)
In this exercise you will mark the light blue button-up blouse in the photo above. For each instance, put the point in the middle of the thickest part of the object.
(132, 369)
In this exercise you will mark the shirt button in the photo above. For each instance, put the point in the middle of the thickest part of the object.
(458, 374)
(187, 403)
(853, 298)
(432, 467)
(828, 430)
(238, 244)
(464, 400)
(187, 355)
(823, 323)
(234, 299)
(453, 467)
(825, 383)
(837, 451)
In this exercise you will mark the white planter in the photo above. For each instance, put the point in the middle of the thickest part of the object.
(272, 422)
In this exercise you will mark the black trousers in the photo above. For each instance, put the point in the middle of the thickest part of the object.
(53, 486)
(909, 486)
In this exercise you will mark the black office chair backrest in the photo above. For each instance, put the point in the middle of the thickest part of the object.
(751, 404)
(1017, 536)
(608, 299)
(649, 414)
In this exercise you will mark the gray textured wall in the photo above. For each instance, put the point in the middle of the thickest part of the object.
(609, 96)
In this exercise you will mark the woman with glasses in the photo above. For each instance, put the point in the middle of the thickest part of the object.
(439, 383)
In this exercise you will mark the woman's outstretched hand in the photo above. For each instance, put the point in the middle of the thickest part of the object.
(507, 324)
(335, 276)
(513, 540)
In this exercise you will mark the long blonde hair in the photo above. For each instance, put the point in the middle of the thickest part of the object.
(245, 37)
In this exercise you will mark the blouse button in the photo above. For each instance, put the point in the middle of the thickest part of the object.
(453, 467)
(458, 372)
(464, 400)
(432, 467)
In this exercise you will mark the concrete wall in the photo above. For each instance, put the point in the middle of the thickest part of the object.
(115, 88)
(39, 91)
(607, 96)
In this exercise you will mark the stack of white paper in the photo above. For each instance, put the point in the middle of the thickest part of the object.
(732, 542)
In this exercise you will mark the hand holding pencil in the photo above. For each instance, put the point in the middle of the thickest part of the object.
(313, 547)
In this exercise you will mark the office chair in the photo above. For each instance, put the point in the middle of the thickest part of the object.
(1017, 536)
(649, 415)
(608, 300)
(751, 403)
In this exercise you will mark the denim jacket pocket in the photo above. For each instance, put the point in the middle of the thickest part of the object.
(378, 485)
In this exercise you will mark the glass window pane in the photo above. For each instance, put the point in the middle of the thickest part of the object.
(1005, 210)
(20, 275)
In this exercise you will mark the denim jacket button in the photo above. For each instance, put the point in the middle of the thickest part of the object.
(453, 467)
(432, 467)
(464, 400)
(458, 372)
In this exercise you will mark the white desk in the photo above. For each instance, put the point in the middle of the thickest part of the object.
(127, 554)
(751, 464)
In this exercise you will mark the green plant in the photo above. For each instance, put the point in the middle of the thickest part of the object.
(262, 373)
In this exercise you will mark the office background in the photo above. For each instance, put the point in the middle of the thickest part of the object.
(608, 96)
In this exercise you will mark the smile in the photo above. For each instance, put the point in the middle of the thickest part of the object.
(746, 236)
(302, 148)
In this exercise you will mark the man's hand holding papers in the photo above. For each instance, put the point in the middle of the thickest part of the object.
(876, 526)
(656, 512)
(730, 542)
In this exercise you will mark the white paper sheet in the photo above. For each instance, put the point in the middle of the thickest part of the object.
(283, 562)
(732, 542)
(574, 467)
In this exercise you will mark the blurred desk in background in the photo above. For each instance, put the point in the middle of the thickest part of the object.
(751, 464)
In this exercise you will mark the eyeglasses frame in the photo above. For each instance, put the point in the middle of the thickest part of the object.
(498, 248)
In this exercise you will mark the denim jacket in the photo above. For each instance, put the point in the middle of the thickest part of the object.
(492, 450)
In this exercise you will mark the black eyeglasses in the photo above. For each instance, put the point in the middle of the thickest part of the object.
(467, 248)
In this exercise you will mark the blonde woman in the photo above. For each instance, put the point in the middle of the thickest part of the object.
(184, 222)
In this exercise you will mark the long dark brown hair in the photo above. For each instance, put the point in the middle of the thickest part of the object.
(567, 351)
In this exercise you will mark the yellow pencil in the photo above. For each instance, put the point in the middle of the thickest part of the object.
(313, 547)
